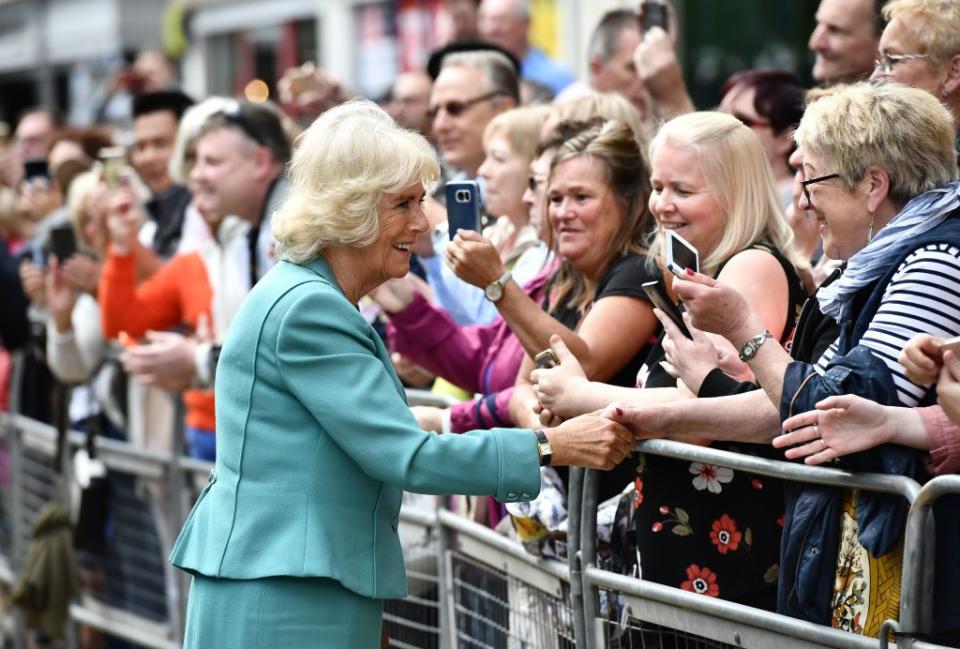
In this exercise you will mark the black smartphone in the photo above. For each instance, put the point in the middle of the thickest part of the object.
(657, 292)
(36, 169)
(63, 242)
(654, 15)
(463, 206)
(546, 359)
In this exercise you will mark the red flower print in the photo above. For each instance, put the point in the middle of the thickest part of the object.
(656, 527)
(725, 534)
(664, 510)
(757, 484)
(702, 581)
(638, 492)
(780, 520)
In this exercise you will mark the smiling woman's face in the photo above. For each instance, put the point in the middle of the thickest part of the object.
(584, 213)
(682, 201)
(841, 212)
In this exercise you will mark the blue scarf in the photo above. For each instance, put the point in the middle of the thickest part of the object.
(924, 212)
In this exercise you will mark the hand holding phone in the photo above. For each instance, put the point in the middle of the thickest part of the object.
(951, 344)
(657, 293)
(546, 359)
(63, 242)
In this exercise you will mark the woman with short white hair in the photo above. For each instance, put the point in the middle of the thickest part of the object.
(294, 539)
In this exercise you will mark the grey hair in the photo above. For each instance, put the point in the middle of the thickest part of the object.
(603, 41)
(497, 69)
(344, 164)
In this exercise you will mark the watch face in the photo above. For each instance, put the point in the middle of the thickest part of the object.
(493, 291)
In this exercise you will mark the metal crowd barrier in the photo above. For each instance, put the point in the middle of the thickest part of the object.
(469, 586)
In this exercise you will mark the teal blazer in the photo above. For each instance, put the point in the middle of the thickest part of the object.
(315, 444)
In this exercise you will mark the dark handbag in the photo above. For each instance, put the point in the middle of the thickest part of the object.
(90, 530)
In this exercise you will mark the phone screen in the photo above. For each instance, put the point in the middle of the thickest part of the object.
(63, 242)
(680, 254)
(654, 15)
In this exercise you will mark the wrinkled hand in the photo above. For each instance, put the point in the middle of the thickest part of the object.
(83, 273)
(123, 220)
(474, 259)
(689, 360)
(34, 281)
(555, 387)
(716, 308)
(167, 360)
(409, 372)
(922, 359)
(61, 296)
(590, 441)
(429, 418)
(838, 426)
(948, 387)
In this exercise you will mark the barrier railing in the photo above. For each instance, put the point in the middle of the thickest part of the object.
(469, 586)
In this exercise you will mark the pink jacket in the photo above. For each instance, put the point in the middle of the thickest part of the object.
(944, 438)
(479, 358)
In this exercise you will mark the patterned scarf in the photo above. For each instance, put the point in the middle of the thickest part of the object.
(921, 214)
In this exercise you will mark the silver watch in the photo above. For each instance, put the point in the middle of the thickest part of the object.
(752, 346)
(494, 290)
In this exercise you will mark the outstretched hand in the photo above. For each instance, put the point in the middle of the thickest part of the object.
(590, 441)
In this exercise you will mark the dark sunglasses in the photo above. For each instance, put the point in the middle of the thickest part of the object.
(234, 116)
(456, 107)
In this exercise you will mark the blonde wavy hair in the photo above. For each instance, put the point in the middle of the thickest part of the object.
(737, 172)
(903, 130)
(520, 127)
(344, 164)
(935, 23)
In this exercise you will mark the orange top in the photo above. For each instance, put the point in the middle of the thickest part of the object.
(174, 295)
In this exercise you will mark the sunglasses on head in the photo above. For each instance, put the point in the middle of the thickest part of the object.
(456, 107)
(234, 116)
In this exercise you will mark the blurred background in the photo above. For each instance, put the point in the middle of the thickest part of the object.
(67, 55)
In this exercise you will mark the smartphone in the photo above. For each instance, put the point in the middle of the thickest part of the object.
(114, 159)
(463, 206)
(63, 242)
(546, 359)
(679, 254)
(657, 292)
(654, 14)
(36, 169)
(952, 344)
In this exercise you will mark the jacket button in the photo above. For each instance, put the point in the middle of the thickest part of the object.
(512, 496)
(525, 496)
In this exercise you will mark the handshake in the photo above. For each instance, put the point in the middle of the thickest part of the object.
(594, 441)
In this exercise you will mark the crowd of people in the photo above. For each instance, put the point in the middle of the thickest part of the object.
(288, 267)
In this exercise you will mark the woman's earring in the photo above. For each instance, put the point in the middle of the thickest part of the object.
(870, 230)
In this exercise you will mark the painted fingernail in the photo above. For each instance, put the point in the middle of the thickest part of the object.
(690, 272)
(619, 411)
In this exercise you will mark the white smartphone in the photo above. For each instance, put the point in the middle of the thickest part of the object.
(953, 344)
(679, 254)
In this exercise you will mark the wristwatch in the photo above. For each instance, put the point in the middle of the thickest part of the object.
(544, 450)
(752, 346)
(494, 290)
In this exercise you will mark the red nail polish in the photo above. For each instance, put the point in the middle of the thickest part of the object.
(619, 411)
(690, 272)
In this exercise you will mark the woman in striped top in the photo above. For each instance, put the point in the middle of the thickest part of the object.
(880, 176)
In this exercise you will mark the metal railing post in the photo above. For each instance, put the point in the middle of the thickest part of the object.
(574, 497)
(447, 620)
(177, 581)
(588, 553)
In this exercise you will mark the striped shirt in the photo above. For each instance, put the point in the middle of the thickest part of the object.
(923, 296)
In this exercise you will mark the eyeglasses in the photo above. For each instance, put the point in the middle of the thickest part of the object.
(887, 60)
(751, 122)
(456, 107)
(810, 181)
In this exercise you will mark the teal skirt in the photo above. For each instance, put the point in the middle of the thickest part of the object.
(281, 613)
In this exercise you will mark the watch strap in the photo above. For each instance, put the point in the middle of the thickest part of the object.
(752, 346)
(544, 449)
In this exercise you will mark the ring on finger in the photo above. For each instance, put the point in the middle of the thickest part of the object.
(816, 431)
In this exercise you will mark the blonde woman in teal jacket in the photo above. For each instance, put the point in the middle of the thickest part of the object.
(293, 543)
